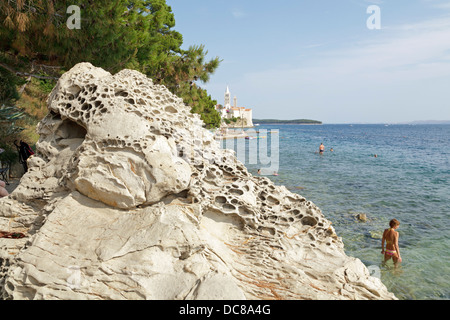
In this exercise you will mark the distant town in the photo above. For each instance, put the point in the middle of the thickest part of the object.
(234, 116)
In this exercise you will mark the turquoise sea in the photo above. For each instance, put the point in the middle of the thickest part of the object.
(408, 180)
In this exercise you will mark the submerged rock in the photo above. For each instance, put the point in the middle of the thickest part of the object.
(128, 197)
(361, 217)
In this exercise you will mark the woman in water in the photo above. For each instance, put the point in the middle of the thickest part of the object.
(390, 237)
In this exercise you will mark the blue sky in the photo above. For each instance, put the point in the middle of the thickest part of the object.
(317, 59)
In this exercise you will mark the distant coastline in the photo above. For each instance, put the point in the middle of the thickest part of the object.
(430, 122)
(418, 122)
(296, 121)
(317, 122)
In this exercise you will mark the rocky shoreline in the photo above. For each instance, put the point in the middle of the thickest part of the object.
(128, 197)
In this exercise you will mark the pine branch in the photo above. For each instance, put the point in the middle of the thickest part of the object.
(25, 74)
(24, 86)
(45, 66)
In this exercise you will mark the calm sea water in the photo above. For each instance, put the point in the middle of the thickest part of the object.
(408, 180)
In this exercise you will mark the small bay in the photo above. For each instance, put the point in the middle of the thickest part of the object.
(408, 179)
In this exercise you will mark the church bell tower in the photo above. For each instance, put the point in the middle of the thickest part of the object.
(227, 103)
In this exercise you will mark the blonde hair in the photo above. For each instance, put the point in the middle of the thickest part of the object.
(394, 222)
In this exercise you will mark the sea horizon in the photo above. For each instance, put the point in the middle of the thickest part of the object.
(416, 122)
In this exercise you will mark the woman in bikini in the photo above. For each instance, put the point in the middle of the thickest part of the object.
(390, 236)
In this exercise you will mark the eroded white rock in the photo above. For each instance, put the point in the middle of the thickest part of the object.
(128, 197)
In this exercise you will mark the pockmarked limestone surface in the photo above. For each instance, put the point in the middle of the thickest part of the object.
(128, 197)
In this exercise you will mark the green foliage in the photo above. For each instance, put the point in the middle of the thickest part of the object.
(201, 103)
(46, 86)
(9, 114)
(114, 35)
(8, 118)
(8, 90)
(9, 155)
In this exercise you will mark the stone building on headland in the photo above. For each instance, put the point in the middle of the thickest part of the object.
(228, 111)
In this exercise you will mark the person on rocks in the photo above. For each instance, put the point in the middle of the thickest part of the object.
(3, 191)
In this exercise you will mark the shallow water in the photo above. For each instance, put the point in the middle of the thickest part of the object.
(408, 180)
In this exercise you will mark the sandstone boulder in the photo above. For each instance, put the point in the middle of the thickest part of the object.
(128, 197)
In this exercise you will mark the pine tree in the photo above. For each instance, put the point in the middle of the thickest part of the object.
(114, 35)
(9, 114)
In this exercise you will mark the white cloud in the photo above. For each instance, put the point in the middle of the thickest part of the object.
(443, 5)
(400, 51)
(374, 1)
(313, 46)
(237, 13)
(393, 70)
(439, 4)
